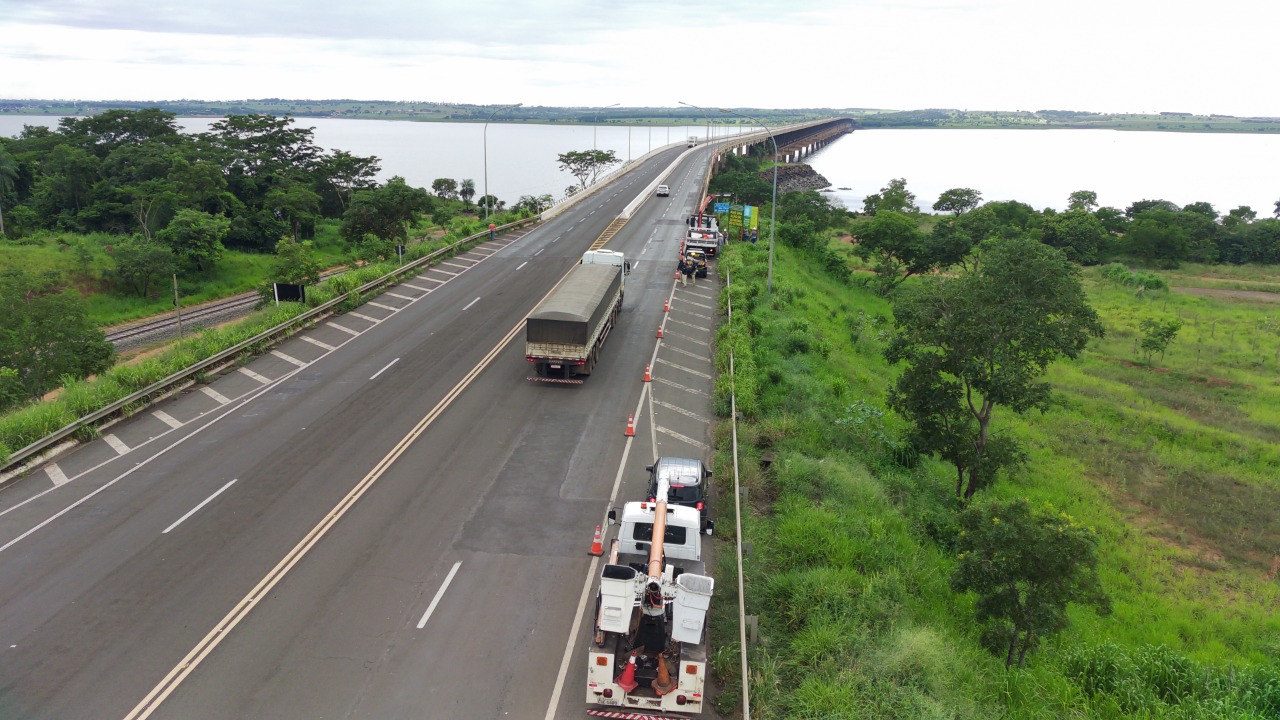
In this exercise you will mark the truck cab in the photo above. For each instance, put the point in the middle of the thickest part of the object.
(607, 257)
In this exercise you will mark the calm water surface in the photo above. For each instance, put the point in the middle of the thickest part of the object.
(1038, 167)
(522, 158)
(1042, 167)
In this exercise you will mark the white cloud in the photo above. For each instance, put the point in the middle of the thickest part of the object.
(1104, 55)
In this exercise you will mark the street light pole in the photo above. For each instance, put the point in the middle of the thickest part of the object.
(487, 201)
(599, 116)
(773, 205)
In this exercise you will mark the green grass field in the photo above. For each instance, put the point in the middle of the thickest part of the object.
(1172, 463)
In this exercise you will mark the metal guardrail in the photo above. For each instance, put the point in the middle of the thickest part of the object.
(161, 386)
(737, 508)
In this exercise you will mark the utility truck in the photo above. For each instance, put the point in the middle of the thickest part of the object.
(564, 333)
(648, 649)
(704, 234)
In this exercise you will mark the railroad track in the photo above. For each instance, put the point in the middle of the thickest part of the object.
(197, 316)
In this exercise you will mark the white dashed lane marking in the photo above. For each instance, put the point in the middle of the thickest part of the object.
(288, 358)
(116, 444)
(217, 396)
(167, 419)
(249, 373)
(317, 343)
(56, 475)
(348, 331)
(691, 371)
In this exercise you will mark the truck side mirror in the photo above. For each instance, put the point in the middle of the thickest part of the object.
(613, 516)
(626, 268)
(710, 527)
(648, 468)
(706, 472)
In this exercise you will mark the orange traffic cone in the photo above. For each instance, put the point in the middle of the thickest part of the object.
(666, 306)
(627, 680)
(659, 331)
(663, 684)
(648, 376)
(597, 544)
(631, 426)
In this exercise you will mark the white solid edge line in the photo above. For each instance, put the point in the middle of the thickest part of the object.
(375, 375)
(473, 302)
(193, 510)
(439, 594)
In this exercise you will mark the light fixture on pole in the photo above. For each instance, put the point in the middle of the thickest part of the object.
(488, 202)
(773, 207)
(600, 116)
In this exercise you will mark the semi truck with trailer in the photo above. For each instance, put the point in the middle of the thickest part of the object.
(564, 333)
(648, 649)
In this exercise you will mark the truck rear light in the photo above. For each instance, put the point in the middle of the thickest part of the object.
(681, 700)
(691, 669)
(602, 660)
(608, 692)
(698, 506)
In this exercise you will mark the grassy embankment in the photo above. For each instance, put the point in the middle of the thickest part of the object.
(25, 425)
(1173, 465)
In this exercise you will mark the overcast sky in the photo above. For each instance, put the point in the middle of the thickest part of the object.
(1099, 55)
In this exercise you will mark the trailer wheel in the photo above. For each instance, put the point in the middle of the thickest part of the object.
(540, 369)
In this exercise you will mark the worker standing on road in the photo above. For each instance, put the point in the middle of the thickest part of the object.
(689, 272)
(682, 270)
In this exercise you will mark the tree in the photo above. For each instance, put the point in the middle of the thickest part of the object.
(294, 203)
(1077, 232)
(1113, 219)
(295, 264)
(1144, 205)
(45, 334)
(809, 205)
(533, 204)
(492, 202)
(9, 176)
(1277, 213)
(196, 238)
(585, 165)
(1086, 200)
(1026, 565)
(1151, 239)
(896, 244)
(444, 188)
(467, 190)
(982, 340)
(1242, 215)
(1157, 334)
(139, 262)
(347, 173)
(384, 212)
(893, 197)
(1201, 208)
(958, 200)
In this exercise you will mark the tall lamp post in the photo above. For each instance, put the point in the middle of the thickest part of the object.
(600, 115)
(773, 205)
(487, 200)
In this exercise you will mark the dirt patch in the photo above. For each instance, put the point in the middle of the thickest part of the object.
(1197, 379)
(1249, 295)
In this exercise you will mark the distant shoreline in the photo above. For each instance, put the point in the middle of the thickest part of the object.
(867, 119)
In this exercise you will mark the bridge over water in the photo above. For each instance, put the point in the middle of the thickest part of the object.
(795, 142)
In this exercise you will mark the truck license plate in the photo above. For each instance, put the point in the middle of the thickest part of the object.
(555, 367)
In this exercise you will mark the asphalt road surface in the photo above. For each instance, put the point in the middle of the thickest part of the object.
(382, 518)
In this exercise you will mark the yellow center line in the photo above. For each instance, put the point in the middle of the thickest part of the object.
(242, 608)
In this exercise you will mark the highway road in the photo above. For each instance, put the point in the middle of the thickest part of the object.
(382, 518)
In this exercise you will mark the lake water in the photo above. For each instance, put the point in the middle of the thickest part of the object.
(522, 158)
(1038, 167)
(1043, 167)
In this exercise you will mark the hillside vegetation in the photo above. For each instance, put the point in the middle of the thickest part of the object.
(1168, 457)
